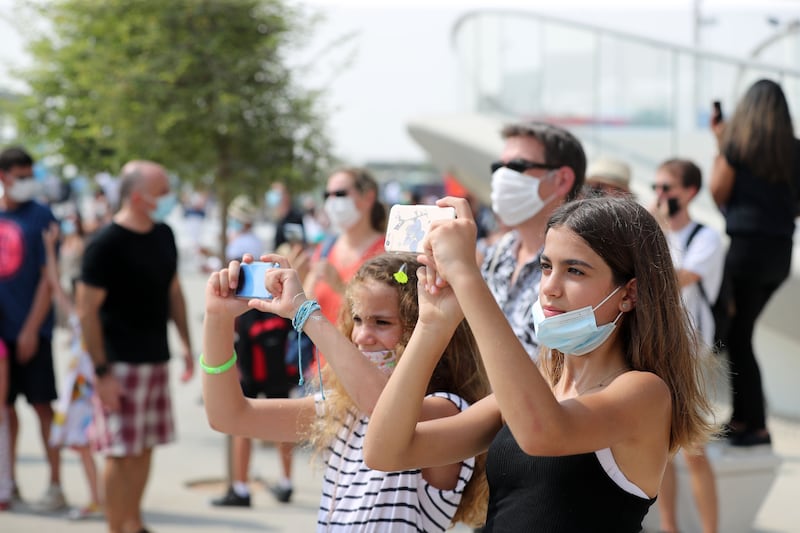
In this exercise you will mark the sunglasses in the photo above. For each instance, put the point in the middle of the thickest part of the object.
(341, 193)
(597, 189)
(661, 186)
(521, 165)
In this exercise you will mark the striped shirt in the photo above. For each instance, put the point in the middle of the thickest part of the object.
(357, 498)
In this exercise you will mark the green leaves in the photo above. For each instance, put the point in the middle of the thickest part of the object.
(199, 85)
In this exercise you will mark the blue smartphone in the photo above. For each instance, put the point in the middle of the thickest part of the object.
(251, 280)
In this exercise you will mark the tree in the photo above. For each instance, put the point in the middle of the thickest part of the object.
(199, 85)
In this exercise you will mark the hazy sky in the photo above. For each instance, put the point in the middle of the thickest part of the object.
(400, 63)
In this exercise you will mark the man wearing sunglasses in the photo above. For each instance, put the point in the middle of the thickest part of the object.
(541, 167)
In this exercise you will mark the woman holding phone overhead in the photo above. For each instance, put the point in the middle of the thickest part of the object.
(579, 443)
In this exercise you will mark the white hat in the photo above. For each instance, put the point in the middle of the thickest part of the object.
(610, 172)
(243, 210)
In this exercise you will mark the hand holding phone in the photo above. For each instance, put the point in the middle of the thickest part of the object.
(716, 113)
(251, 280)
(408, 225)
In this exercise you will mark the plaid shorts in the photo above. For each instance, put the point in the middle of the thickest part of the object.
(145, 416)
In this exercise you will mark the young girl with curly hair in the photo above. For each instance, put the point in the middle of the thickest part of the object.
(381, 312)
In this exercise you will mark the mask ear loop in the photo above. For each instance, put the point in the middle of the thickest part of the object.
(595, 308)
(547, 176)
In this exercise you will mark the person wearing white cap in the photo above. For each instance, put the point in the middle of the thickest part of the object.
(241, 216)
(608, 177)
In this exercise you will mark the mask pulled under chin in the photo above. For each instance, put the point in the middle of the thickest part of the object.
(575, 332)
(386, 360)
(515, 196)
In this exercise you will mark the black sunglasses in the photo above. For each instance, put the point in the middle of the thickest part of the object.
(341, 193)
(521, 165)
(663, 186)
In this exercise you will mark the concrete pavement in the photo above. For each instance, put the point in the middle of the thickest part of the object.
(188, 473)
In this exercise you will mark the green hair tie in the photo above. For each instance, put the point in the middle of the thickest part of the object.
(400, 276)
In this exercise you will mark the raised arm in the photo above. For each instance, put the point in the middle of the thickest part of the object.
(400, 434)
(722, 179)
(226, 407)
(634, 406)
(399, 437)
(360, 377)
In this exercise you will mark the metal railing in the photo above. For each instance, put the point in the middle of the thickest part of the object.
(599, 81)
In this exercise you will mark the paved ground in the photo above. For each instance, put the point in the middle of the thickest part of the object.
(188, 473)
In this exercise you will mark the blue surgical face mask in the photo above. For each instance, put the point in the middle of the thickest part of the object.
(574, 332)
(68, 227)
(164, 205)
(274, 198)
(234, 225)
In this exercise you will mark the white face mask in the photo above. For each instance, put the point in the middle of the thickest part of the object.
(383, 359)
(24, 190)
(515, 196)
(342, 212)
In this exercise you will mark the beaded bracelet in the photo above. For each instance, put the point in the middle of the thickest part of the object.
(224, 367)
(300, 318)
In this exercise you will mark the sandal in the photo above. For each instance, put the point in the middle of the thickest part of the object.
(93, 510)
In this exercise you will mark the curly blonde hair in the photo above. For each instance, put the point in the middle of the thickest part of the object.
(460, 371)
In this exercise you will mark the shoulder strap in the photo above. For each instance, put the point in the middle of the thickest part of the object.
(694, 232)
(326, 246)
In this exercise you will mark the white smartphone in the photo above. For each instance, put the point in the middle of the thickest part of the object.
(408, 225)
(251, 280)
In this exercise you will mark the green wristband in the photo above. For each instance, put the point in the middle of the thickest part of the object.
(224, 367)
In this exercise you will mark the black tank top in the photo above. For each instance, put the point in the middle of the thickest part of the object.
(758, 207)
(555, 494)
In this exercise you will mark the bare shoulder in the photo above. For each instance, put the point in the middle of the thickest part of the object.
(641, 386)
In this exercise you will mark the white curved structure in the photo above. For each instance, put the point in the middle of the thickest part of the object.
(641, 114)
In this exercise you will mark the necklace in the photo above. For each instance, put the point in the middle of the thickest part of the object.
(605, 381)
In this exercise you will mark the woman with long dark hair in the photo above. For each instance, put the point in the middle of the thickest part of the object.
(755, 182)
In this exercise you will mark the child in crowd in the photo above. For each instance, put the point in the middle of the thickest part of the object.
(380, 311)
(73, 417)
(580, 442)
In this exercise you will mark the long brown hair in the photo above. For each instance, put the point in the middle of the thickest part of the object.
(760, 135)
(459, 371)
(657, 336)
